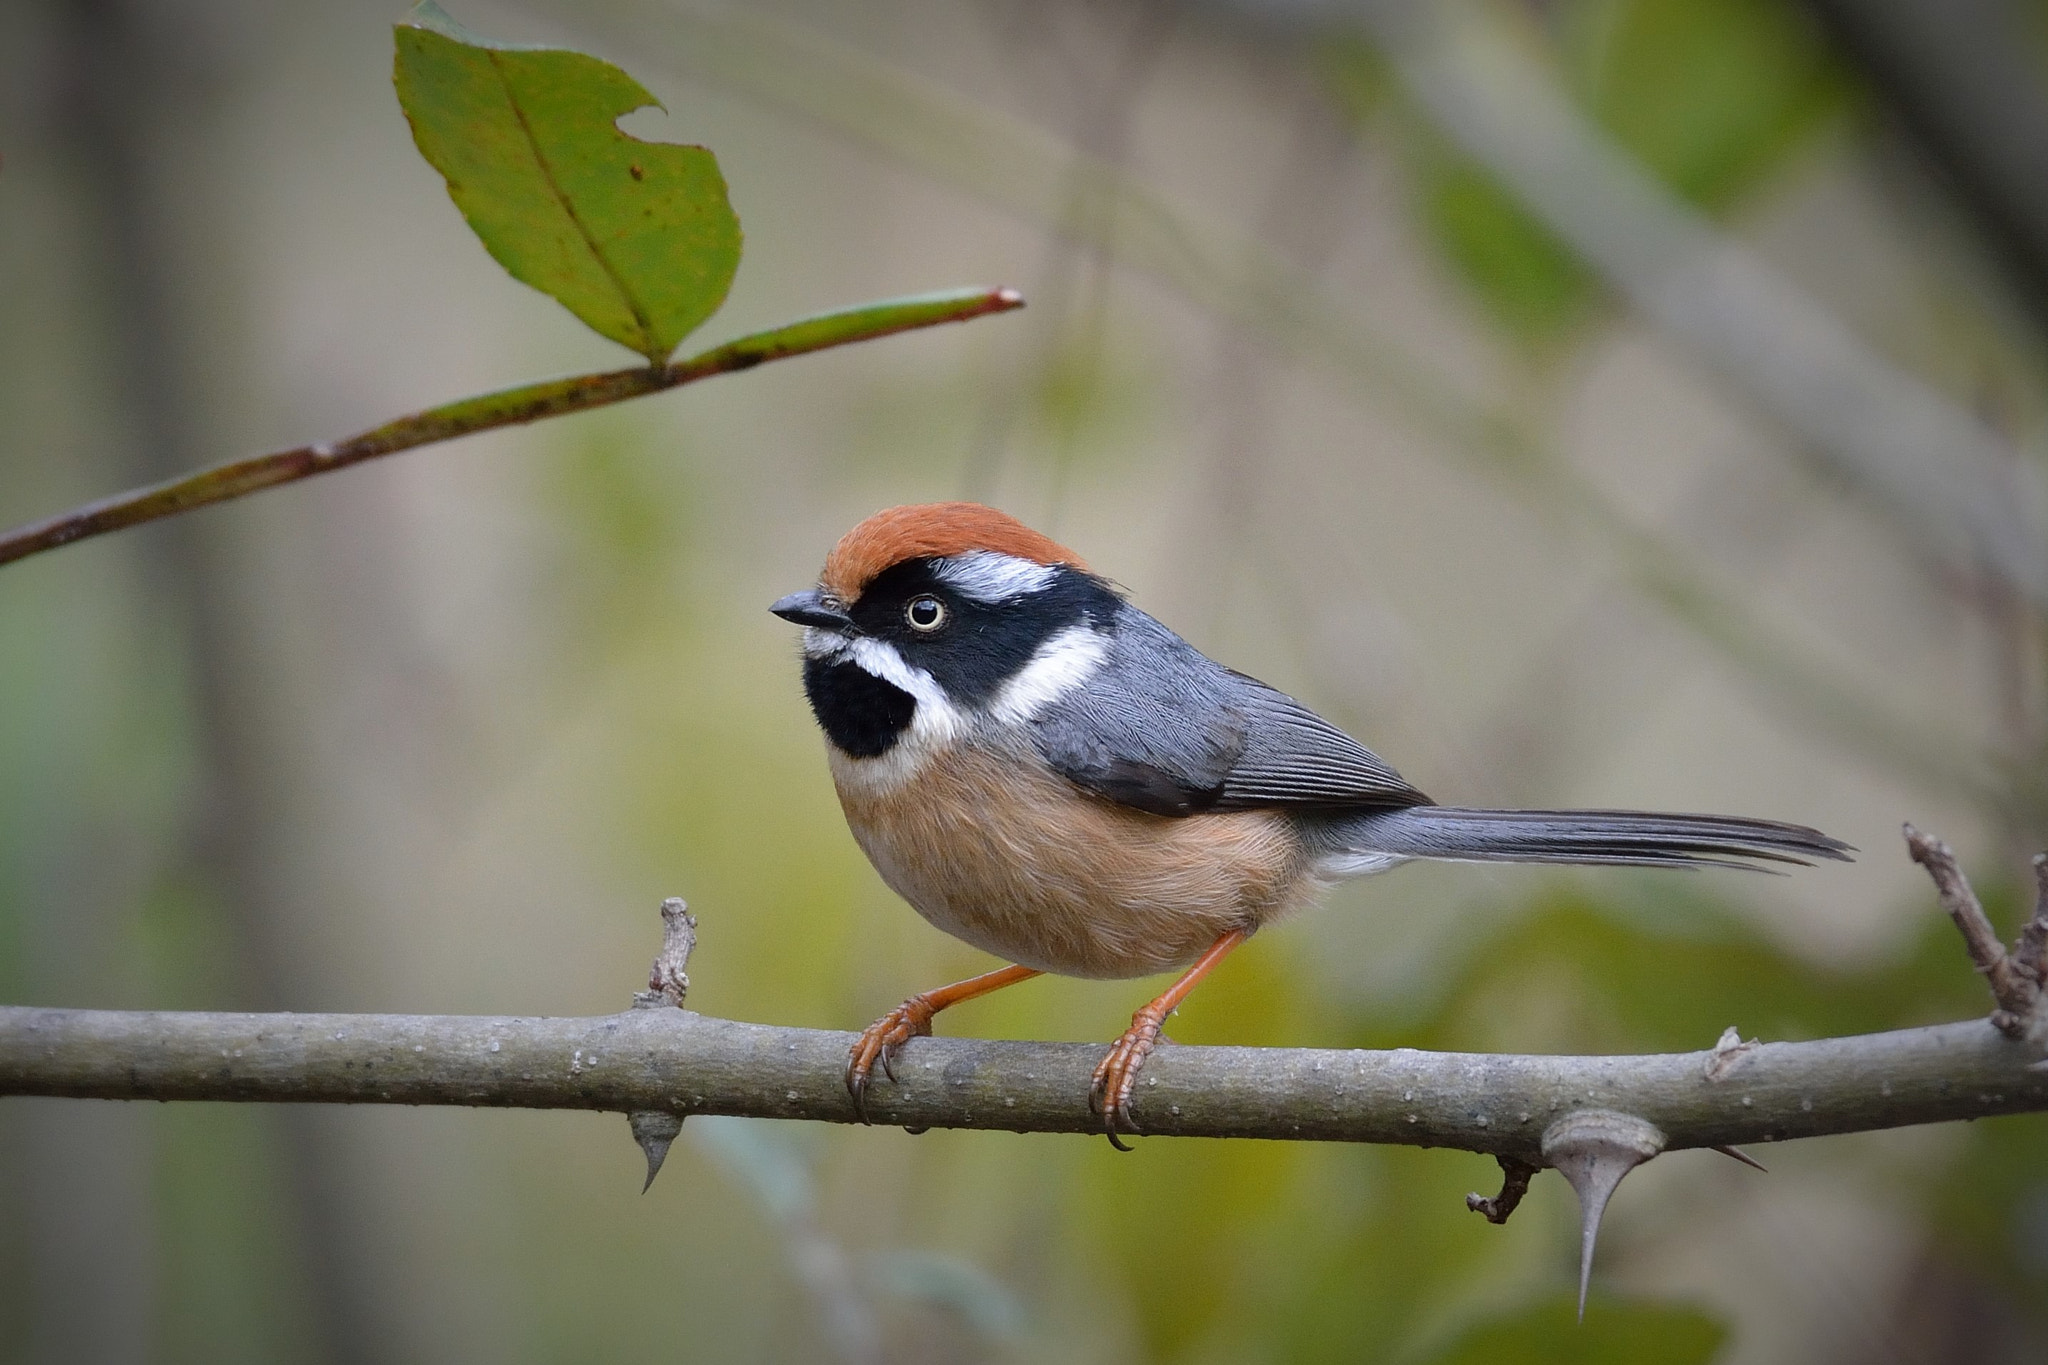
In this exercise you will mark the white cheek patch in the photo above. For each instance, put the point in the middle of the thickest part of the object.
(1059, 666)
(988, 576)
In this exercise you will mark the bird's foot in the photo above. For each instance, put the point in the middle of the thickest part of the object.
(881, 1041)
(1117, 1074)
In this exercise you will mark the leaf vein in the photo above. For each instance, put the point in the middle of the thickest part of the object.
(647, 345)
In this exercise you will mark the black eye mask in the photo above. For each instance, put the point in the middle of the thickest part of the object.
(981, 645)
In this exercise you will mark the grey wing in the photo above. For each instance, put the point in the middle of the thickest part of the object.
(1166, 729)
(1293, 757)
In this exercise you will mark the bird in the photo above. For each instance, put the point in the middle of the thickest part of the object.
(1048, 773)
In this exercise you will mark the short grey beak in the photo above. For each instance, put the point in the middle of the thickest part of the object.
(810, 608)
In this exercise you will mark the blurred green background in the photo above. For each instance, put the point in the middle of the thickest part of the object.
(1300, 369)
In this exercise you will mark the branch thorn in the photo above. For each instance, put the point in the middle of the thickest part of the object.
(1744, 1157)
(655, 1130)
(1593, 1149)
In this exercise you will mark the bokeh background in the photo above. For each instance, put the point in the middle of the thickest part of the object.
(1367, 345)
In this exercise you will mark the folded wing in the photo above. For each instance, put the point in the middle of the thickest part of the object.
(1166, 729)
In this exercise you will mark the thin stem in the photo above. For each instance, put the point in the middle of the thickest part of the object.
(507, 407)
(2031, 953)
(2016, 990)
(1514, 1184)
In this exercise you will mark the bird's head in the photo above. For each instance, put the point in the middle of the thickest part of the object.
(934, 617)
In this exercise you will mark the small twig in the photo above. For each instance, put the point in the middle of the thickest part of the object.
(2016, 989)
(1514, 1183)
(2031, 953)
(507, 407)
(1728, 1052)
(668, 980)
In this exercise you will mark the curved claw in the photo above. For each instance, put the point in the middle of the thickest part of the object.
(883, 1039)
(857, 1084)
(880, 1042)
(1109, 1094)
(1116, 1075)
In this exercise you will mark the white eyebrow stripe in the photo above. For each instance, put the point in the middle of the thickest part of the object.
(1057, 667)
(990, 576)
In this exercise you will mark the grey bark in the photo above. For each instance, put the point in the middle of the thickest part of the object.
(686, 1063)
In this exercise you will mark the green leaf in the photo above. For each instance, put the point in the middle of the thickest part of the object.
(635, 238)
(1612, 1334)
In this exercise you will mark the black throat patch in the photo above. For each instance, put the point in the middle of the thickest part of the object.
(860, 713)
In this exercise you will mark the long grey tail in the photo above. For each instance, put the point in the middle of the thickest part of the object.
(1625, 838)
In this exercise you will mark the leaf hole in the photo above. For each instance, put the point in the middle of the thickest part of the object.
(651, 123)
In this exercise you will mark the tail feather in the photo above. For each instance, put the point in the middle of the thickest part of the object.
(1599, 837)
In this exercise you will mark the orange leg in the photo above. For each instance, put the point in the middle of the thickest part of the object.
(881, 1040)
(1110, 1094)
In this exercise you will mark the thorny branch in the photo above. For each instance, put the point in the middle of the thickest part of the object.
(688, 1063)
(1591, 1118)
(507, 407)
(660, 1056)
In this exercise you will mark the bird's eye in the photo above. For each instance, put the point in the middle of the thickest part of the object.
(925, 613)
